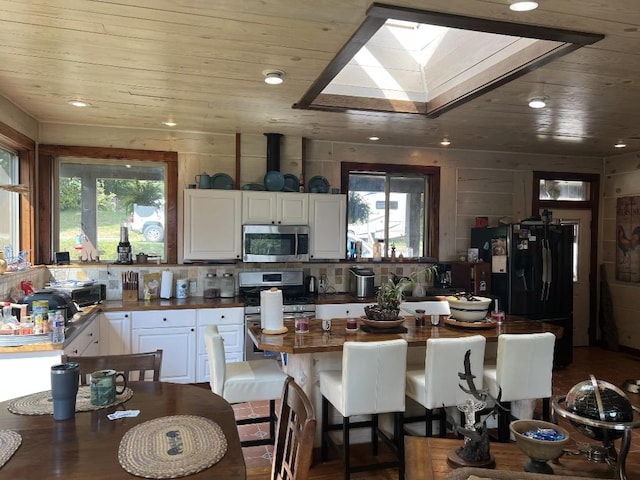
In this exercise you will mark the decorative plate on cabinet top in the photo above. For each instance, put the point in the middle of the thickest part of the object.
(221, 181)
(274, 181)
(291, 183)
(254, 186)
(318, 183)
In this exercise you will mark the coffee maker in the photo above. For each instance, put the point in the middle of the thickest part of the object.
(442, 278)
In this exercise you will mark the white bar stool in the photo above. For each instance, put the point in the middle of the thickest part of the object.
(523, 372)
(238, 382)
(437, 386)
(372, 381)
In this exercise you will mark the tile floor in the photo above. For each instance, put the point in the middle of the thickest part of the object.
(613, 367)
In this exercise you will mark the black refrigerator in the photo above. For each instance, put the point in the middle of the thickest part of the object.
(532, 274)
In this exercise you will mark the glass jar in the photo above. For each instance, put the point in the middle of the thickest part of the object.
(227, 286)
(211, 287)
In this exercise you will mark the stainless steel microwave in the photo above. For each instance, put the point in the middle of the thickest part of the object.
(275, 243)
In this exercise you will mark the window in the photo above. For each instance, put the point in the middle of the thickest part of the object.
(9, 202)
(564, 190)
(95, 191)
(393, 204)
(96, 199)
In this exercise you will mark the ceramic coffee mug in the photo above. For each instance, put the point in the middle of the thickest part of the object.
(103, 386)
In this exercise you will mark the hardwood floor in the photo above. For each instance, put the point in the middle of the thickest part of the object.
(613, 367)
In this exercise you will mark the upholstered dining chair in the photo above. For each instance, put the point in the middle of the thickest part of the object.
(249, 381)
(437, 386)
(371, 382)
(135, 366)
(294, 435)
(523, 372)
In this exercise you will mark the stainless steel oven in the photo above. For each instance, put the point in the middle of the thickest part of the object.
(275, 243)
(296, 301)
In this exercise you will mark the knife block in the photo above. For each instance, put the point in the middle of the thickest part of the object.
(129, 296)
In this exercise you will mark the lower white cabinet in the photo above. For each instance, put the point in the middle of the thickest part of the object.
(230, 322)
(115, 333)
(87, 342)
(174, 331)
(340, 310)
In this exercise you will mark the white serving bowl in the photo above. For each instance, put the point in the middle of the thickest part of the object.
(469, 310)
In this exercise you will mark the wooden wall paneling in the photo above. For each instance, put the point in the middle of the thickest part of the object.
(238, 160)
(622, 184)
(448, 216)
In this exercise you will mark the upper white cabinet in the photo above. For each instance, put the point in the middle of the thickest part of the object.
(212, 224)
(275, 208)
(328, 225)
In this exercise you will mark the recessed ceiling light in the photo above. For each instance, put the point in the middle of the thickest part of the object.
(445, 142)
(273, 77)
(538, 102)
(620, 144)
(523, 6)
(374, 139)
(169, 123)
(78, 103)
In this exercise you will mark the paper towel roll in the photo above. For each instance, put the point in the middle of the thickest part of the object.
(166, 284)
(271, 309)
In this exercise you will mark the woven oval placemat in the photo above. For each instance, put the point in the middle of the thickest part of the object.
(9, 443)
(172, 447)
(41, 403)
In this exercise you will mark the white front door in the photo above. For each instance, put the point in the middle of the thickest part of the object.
(581, 220)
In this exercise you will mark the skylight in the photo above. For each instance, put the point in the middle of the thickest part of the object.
(412, 61)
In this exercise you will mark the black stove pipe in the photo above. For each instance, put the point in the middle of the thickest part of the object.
(273, 151)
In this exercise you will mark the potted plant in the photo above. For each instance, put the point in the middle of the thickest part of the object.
(391, 294)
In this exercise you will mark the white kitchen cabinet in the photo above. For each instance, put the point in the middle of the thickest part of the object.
(174, 331)
(115, 333)
(212, 224)
(275, 208)
(230, 322)
(340, 310)
(328, 224)
(87, 342)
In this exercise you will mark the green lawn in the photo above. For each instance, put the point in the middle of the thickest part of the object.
(109, 223)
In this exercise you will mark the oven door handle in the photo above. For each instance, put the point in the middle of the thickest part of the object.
(296, 252)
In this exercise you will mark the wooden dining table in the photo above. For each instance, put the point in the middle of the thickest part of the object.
(86, 446)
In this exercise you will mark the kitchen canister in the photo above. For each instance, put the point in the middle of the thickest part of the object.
(182, 288)
(227, 286)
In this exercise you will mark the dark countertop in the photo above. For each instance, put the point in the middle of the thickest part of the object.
(170, 304)
(333, 298)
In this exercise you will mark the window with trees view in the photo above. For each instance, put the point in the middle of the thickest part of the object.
(96, 199)
(95, 190)
(393, 204)
(9, 201)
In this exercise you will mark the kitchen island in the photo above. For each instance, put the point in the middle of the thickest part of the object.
(310, 353)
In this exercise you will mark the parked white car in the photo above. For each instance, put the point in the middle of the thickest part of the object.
(149, 221)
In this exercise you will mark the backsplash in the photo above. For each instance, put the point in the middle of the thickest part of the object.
(337, 275)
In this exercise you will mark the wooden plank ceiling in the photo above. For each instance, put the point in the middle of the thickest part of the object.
(199, 63)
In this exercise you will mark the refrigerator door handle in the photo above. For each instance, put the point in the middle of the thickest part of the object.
(549, 270)
(544, 270)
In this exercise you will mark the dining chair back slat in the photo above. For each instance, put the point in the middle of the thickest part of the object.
(294, 435)
(135, 366)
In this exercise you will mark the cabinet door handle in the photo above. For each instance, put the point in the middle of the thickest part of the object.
(164, 319)
(91, 334)
(221, 316)
(193, 329)
(75, 351)
(126, 316)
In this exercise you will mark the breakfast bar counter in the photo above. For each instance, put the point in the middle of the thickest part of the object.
(308, 354)
(319, 341)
